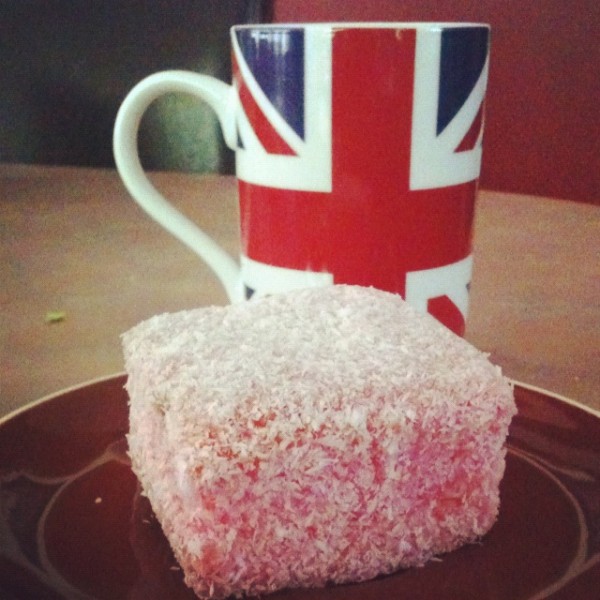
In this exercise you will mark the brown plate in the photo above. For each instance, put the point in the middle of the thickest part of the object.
(73, 525)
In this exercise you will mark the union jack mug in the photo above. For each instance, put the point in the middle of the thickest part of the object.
(358, 151)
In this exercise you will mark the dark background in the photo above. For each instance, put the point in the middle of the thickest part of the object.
(66, 65)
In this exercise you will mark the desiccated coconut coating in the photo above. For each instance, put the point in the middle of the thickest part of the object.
(326, 435)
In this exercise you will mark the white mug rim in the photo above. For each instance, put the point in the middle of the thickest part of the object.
(421, 25)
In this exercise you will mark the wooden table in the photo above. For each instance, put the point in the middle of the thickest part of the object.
(72, 241)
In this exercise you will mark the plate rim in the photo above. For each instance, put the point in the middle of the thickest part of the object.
(115, 375)
(557, 396)
(61, 392)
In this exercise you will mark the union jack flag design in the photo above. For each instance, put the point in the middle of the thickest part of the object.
(358, 157)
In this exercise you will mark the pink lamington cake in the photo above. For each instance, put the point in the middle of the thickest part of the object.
(322, 436)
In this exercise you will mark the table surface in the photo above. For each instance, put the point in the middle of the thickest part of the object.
(73, 242)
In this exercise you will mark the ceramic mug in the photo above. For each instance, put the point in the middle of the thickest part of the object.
(358, 151)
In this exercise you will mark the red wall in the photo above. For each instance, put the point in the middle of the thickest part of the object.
(543, 119)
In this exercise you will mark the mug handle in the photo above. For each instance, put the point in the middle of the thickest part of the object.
(222, 98)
